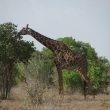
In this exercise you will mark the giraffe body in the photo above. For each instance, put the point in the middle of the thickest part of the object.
(64, 58)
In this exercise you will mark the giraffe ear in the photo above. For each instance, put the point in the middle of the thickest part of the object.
(27, 26)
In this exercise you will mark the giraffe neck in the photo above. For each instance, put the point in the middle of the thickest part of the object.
(49, 43)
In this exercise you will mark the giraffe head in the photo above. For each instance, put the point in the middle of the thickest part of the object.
(24, 31)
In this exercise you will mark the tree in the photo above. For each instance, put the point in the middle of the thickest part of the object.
(98, 67)
(12, 50)
(104, 79)
(80, 47)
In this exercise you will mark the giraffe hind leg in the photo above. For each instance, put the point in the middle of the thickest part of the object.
(87, 81)
(90, 87)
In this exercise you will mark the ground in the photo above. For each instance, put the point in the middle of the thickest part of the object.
(52, 101)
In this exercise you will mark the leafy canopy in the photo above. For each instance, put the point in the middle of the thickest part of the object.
(12, 47)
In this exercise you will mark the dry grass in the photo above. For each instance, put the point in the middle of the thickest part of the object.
(52, 101)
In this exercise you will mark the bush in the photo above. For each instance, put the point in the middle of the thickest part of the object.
(72, 80)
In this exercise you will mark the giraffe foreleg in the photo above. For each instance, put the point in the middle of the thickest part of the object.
(60, 81)
(59, 70)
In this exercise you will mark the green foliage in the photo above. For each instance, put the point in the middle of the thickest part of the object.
(40, 67)
(97, 66)
(72, 80)
(17, 76)
(48, 65)
(12, 50)
(80, 47)
(95, 75)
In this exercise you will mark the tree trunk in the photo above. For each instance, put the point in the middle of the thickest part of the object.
(6, 82)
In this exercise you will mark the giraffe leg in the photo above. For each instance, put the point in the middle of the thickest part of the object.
(87, 81)
(60, 80)
(90, 87)
(59, 70)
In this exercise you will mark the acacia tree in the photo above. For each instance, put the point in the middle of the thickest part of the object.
(12, 50)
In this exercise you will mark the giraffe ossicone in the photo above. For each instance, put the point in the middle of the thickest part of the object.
(64, 58)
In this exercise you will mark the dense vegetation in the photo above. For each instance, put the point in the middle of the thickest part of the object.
(12, 51)
(19, 61)
(98, 67)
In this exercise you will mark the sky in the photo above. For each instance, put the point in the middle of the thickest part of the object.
(85, 20)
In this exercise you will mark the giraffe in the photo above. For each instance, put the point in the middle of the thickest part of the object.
(64, 58)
